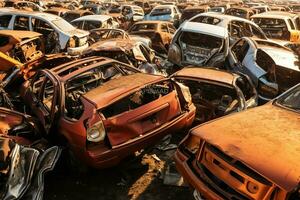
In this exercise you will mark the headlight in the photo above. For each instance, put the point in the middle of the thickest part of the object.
(72, 42)
(96, 133)
(252, 187)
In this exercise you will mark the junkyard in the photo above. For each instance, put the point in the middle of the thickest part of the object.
(150, 99)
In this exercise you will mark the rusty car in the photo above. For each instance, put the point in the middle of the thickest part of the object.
(24, 5)
(57, 11)
(94, 22)
(105, 110)
(25, 158)
(160, 33)
(132, 52)
(199, 44)
(216, 93)
(252, 158)
(57, 32)
(24, 51)
(191, 11)
(245, 13)
(24, 46)
(71, 15)
(279, 25)
(102, 34)
(267, 63)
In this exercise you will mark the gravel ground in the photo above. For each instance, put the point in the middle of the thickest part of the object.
(138, 177)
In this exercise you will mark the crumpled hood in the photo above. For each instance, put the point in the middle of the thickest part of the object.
(266, 139)
(78, 33)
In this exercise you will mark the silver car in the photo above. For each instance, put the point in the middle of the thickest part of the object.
(59, 34)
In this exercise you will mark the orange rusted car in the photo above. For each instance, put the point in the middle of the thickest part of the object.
(252, 155)
(106, 110)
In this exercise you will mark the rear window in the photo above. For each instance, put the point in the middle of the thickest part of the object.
(71, 16)
(142, 97)
(161, 11)
(206, 20)
(142, 27)
(201, 40)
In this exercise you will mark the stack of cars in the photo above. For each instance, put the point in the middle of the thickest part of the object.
(105, 79)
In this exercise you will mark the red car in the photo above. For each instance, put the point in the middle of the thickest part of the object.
(107, 110)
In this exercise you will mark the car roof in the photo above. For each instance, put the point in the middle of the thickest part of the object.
(208, 29)
(274, 14)
(93, 18)
(207, 74)
(222, 16)
(63, 71)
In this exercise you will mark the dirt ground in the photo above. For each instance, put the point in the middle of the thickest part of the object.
(139, 177)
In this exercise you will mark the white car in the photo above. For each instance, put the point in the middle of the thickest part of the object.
(59, 34)
(165, 13)
(237, 27)
(90, 22)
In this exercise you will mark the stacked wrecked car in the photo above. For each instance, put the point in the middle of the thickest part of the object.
(101, 82)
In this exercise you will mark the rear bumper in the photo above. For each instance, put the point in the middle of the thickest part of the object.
(190, 177)
(77, 50)
(98, 158)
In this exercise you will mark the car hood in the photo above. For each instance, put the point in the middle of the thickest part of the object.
(78, 33)
(266, 139)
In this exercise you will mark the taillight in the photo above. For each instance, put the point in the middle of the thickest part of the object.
(96, 133)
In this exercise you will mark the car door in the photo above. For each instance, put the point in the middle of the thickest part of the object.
(237, 54)
(141, 113)
(21, 23)
(42, 96)
(5, 21)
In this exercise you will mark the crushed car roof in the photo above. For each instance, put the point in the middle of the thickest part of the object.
(208, 74)
(20, 35)
(93, 18)
(208, 29)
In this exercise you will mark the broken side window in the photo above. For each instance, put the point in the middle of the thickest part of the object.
(245, 87)
(240, 50)
(21, 23)
(4, 21)
(89, 25)
(164, 28)
(207, 20)
(291, 24)
(48, 94)
(139, 98)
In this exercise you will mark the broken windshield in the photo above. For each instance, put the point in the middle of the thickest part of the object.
(291, 100)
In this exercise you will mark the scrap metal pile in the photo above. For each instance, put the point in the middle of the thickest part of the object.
(101, 80)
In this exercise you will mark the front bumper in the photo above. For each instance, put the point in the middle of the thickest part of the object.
(77, 50)
(190, 177)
